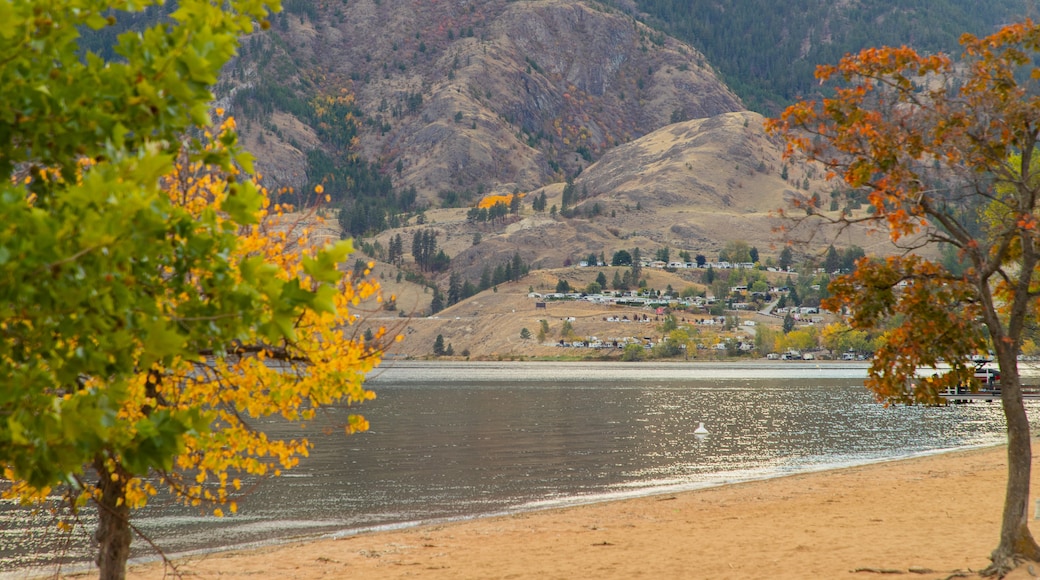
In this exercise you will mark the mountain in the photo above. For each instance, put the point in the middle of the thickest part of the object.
(408, 112)
(767, 51)
(456, 98)
(691, 186)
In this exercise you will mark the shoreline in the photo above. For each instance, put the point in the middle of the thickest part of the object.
(881, 516)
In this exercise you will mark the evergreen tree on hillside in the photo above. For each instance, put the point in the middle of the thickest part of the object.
(454, 288)
(767, 51)
(437, 304)
(786, 258)
(425, 253)
(832, 263)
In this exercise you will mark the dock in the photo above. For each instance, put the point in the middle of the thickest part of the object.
(1030, 393)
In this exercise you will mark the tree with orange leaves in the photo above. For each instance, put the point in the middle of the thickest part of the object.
(946, 152)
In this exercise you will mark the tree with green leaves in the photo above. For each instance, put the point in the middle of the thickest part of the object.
(939, 146)
(832, 261)
(515, 202)
(142, 287)
(633, 352)
(617, 283)
(786, 258)
(569, 195)
(567, 330)
(621, 258)
(454, 288)
(850, 256)
(737, 251)
(437, 302)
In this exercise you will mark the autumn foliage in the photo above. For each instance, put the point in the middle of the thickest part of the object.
(319, 362)
(945, 151)
(491, 200)
(154, 307)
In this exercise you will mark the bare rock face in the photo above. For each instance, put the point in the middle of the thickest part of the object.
(460, 95)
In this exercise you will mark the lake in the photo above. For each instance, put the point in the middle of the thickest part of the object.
(462, 440)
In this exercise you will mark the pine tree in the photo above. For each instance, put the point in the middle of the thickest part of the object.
(454, 288)
(485, 278)
(786, 258)
(519, 270)
(437, 304)
(832, 263)
(616, 284)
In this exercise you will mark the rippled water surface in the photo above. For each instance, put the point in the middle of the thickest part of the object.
(468, 439)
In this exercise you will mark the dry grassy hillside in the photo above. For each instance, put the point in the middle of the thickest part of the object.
(692, 186)
(489, 325)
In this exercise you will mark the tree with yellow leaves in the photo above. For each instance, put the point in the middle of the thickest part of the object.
(153, 306)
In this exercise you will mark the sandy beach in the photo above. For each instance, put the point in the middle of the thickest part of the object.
(928, 517)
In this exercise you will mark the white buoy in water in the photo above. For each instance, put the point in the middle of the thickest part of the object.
(700, 430)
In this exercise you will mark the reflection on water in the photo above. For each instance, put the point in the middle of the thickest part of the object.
(460, 440)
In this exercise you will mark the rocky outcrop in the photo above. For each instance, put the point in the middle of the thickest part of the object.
(457, 95)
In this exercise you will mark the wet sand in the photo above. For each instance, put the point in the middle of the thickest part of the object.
(928, 517)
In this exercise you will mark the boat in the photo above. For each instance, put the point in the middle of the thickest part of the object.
(989, 386)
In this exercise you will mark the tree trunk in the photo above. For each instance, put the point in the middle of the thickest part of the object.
(113, 531)
(1016, 541)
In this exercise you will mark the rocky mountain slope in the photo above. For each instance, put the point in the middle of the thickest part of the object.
(458, 99)
(767, 51)
(462, 95)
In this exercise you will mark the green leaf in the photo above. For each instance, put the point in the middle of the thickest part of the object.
(94, 20)
(324, 300)
(324, 266)
(8, 23)
(17, 432)
(160, 341)
(242, 202)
